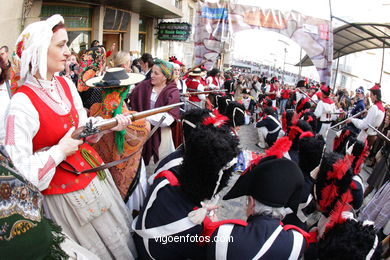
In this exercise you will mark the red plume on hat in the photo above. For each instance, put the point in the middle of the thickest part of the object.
(336, 216)
(306, 134)
(175, 60)
(360, 158)
(340, 168)
(339, 140)
(377, 86)
(335, 188)
(294, 131)
(215, 119)
(278, 149)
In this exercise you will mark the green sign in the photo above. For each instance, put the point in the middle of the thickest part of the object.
(173, 31)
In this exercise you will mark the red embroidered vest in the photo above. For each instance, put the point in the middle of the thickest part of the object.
(192, 86)
(272, 89)
(52, 128)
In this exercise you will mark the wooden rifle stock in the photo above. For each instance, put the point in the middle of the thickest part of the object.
(91, 129)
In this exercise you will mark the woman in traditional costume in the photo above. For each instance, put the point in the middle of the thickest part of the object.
(159, 91)
(39, 122)
(128, 142)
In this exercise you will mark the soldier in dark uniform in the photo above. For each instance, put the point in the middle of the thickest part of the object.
(176, 218)
(273, 188)
(189, 119)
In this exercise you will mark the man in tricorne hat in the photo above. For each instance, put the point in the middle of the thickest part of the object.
(374, 117)
(273, 187)
(194, 84)
(325, 111)
(114, 86)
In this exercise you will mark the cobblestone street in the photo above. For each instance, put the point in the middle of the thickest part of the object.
(236, 208)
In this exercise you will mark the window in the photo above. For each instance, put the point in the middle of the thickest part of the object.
(178, 4)
(78, 21)
(116, 20)
(191, 21)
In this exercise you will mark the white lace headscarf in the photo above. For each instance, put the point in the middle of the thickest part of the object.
(32, 46)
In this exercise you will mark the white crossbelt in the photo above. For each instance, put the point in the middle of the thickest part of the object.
(277, 128)
(267, 245)
(221, 247)
(167, 166)
(297, 245)
(160, 231)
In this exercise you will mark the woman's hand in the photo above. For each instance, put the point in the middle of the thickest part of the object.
(69, 145)
(123, 122)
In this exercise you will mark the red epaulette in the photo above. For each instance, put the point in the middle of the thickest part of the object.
(310, 237)
(209, 226)
(169, 176)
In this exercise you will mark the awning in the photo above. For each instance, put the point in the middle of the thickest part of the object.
(355, 37)
(161, 9)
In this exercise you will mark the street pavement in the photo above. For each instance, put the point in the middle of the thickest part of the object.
(236, 208)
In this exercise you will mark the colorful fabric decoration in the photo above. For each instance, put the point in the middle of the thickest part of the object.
(92, 64)
(166, 68)
(112, 105)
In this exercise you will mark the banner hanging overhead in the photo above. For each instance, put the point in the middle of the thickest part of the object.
(217, 22)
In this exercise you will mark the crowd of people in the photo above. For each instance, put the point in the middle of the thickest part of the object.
(85, 175)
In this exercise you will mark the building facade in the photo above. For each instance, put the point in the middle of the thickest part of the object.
(130, 24)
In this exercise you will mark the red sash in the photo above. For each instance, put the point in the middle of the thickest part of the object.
(52, 128)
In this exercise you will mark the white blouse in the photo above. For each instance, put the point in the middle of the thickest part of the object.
(22, 124)
(154, 119)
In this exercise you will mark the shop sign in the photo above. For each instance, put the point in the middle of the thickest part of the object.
(173, 31)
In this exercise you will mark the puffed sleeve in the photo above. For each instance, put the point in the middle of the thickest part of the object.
(21, 125)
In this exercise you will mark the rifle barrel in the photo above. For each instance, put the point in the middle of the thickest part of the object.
(205, 92)
(315, 102)
(110, 123)
(380, 134)
(342, 122)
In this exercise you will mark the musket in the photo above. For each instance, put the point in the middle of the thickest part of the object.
(382, 136)
(315, 102)
(205, 92)
(197, 66)
(194, 104)
(342, 122)
(91, 129)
